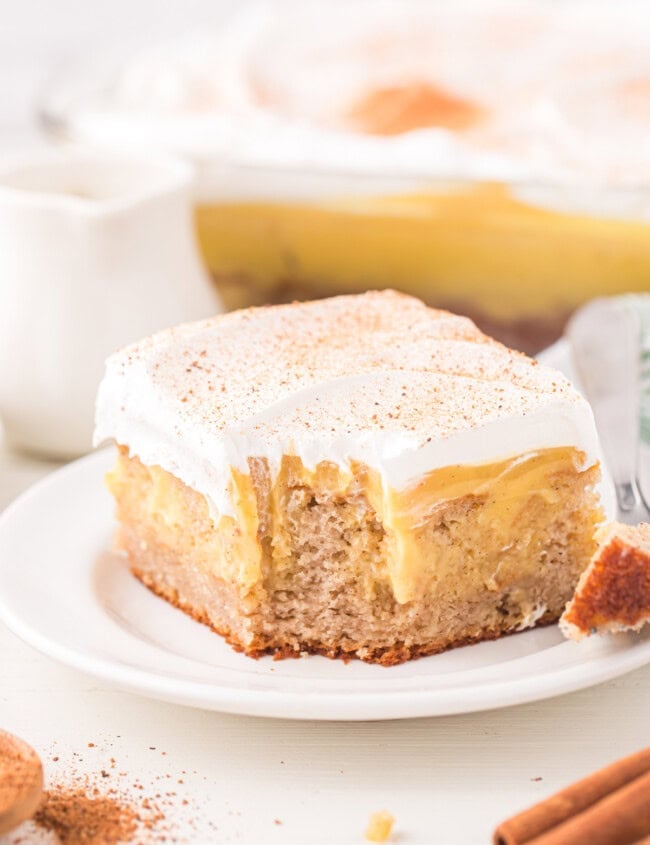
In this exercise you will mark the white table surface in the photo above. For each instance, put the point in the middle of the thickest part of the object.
(447, 781)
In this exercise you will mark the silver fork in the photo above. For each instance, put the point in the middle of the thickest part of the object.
(605, 338)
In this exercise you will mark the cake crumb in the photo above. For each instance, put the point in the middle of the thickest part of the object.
(380, 826)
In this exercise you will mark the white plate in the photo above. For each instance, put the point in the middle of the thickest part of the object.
(66, 595)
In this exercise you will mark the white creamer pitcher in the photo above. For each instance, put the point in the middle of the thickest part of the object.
(95, 252)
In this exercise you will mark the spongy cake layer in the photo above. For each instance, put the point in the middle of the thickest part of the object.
(324, 579)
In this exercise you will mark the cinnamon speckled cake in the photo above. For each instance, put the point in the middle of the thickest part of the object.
(613, 593)
(359, 476)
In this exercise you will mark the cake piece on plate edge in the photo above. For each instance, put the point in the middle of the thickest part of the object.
(360, 476)
(613, 593)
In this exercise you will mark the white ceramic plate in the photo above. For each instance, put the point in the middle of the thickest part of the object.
(66, 595)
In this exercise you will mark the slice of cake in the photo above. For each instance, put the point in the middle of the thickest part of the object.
(359, 476)
(613, 593)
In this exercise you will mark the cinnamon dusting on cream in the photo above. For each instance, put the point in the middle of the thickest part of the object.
(377, 377)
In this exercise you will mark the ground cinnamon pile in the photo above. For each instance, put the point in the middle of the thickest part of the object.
(80, 819)
(92, 799)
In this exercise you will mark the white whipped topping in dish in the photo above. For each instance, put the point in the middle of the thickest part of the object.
(377, 378)
(531, 91)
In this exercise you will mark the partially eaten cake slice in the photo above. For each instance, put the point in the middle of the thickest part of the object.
(359, 476)
(613, 593)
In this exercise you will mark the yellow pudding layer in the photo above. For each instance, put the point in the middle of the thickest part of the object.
(488, 526)
(478, 249)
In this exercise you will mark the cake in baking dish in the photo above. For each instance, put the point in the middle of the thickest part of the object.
(359, 476)
(613, 593)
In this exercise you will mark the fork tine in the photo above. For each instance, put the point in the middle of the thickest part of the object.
(639, 304)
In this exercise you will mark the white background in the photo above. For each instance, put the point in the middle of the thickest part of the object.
(40, 39)
(447, 781)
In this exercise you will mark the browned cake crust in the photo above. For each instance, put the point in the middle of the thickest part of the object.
(259, 646)
(614, 592)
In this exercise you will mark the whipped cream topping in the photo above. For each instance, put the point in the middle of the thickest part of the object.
(377, 378)
(273, 86)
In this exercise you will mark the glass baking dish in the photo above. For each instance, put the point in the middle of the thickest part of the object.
(517, 254)
(515, 258)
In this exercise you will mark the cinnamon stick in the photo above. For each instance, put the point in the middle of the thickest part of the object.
(618, 819)
(574, 800)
